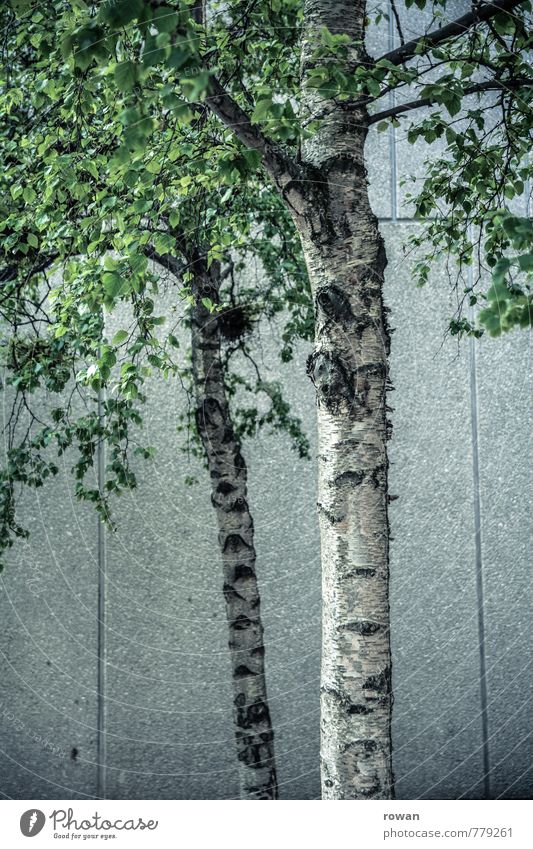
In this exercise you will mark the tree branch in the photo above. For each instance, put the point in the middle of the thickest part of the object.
(488, 85)
(280, 167)
(397, 20)
(230, 113)
(9, 272)
(424, 43)
(166, 261)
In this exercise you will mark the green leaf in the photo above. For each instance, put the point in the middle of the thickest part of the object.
(178, 57)
(125, 75)
(152, 54)
(120, 337)
(262, 110)
(165, 19)
(500, 270)
(110, 263)
(29, 194)
(252, 157)
(525, 261)
(498, 292)
(452, 103)
(118, 13)
(91, 168)
(131, 178)
(327, 37)
(112, 284)
(373, 86)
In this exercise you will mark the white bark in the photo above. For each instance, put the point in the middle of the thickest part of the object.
(346, 260)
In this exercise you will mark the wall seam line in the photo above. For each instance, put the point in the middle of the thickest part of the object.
(480, 591)
(101, 613)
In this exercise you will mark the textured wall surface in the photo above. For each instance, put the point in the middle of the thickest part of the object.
(113, 654)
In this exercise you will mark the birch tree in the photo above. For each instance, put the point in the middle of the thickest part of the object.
(32, 365)
(57, 293)
(217, 431)
(294, 87)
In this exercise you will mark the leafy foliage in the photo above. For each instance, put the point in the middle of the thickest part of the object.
(140, 136)
(470, 193)
(111, 180)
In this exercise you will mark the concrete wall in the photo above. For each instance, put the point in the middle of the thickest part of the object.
(113, 651)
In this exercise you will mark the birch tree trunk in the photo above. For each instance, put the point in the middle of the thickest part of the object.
(346, 260)
(253, 727)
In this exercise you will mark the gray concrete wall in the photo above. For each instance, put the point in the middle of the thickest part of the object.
(49, 646)
(113, 652)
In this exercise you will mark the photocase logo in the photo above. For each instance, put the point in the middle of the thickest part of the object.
(32, 822)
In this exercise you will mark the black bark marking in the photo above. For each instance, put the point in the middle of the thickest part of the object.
(209, 415)
(373, 369)
(362, 572)
(365, 746)
(259, 712)
(333, 520)
(238, 461)
(251, 716)
(361, 755)
(347, 704)
(228, 436)
(265, 792)
(381, 683)
(223, 496)
(354, 478)
(372, 792)
(333, 383)
(243, 572)
(317, 214)
(241, 623)
(255, 755)
(231, 594)
(379, 476)
(225, 487)
(334, 304)
(361, 710)
(74, 754)
(362, 322)
(234, 543)
(228, 503)
(363, 627)
(243, 672)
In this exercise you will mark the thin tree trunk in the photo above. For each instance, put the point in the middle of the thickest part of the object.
(227, 469)
(346, 261)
